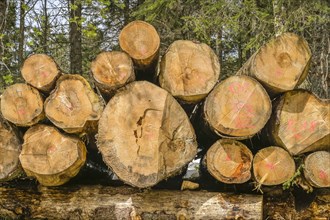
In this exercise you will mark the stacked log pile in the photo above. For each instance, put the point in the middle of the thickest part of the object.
(144, 134)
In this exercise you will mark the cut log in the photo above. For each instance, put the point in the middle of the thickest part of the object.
(281, 64)
(22, 105)
(40, 71)
(141, 41)
(317, 169)
(273, 166)
(50, 156)
(97, 202)
(10, 148)
(238, 107)
(189, 70)
(229, 161)
(112, 70)
(150, 136)
(73, 106)
(300, 123)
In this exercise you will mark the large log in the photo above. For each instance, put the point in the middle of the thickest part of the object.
(317, 169)
(112, 70)
(22, 105)
(73, 105)
(273, 166)
(144, 135)
(51, 157)
(40, 71)
(189, 70)
(229, 161)
(281, 64)
(10, 148)
(97, 202)
(238, 107)
(300, 122)
(141, 41)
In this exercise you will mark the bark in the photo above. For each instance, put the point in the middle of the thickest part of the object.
(3, 17)
(112, 70)
(300, 122)
(51, 157)
(75, 37)
(317, 169)
(45, 29)
(242, 108)
(141, 41)
(273, 166)
(73, 106)
(229, 161)
(40, 71)
(281, 64)
(189, 70)
(97, 202)
(22, 105)
(10, 148)
(151, 137)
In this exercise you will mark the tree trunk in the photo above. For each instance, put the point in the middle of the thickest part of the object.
(189, 70)
(97, 202)
(300, 122)
(21, 33)
(112, 70)
(51, 157)
(141, 41)
(22, 105)
(317, 169)
(151, 137)
(281, 64)
(10, 148)
(75, 8)
(242, 107)
(45, 28)
(40, 71)
(3, 17)
(273, 166)
(73, 106)
(229, 161)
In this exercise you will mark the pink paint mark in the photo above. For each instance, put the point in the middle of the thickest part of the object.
(278, 73)
(290, 127)
(270, 166)
(297, 136)
(313, 126)
(235, 87)
(44, 74)
(323, 175)
(21, 111)
(228, 158)
(51, 149)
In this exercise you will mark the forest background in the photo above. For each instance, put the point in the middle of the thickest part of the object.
(73, 32)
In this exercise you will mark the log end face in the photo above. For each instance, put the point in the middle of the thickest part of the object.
(316, 169)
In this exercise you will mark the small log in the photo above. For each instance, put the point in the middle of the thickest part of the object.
(10, 148)
(317, 169)
(97, 202)
(273, 166)
(151, 137)
(229, 161)
(189, 70)
(300, 122)
(22, 105)
(238, 107)
(281, 64)
(40, 71)
(141, 41)
(50, 156)
(112, 70)
(73, 105)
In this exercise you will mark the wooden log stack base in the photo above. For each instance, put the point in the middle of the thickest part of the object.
(281, 64)
(10, 148)
(238, 107)
(144, 135)
(22, 105)
(40, 71)
(97, 202)
(317, 169)
(273, 166)
(112, 70)
(50, 156)
(189, 70)
(141, 41)
(73, 105)
(300, 122)
(229, 161)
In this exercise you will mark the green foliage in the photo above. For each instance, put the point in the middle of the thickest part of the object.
(8, 79)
